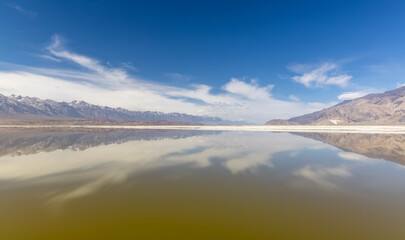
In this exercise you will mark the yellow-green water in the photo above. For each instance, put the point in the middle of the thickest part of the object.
(195, 185)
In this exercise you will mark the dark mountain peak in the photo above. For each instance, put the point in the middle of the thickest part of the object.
(15, 97)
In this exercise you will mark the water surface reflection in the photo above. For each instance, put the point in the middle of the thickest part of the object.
(379, 146)
(199, 185)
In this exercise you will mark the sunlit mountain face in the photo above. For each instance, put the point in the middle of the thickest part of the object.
(97, 184)
(373, 109)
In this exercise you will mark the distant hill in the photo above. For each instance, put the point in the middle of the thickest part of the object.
(379, 108)
(31, 108)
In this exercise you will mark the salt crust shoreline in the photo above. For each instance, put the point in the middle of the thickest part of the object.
(251, 128)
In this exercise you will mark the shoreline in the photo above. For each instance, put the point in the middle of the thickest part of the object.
(250, 128)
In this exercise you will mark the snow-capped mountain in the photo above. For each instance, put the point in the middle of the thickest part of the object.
(23, 107)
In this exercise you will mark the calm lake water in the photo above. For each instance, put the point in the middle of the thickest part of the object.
(201, 185)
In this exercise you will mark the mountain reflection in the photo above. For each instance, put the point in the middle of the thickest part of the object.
(100, 163)
(86, 162)
(378, 146)
(31, 141)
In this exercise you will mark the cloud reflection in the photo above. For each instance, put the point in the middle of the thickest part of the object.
(91, 161)
(95, 167)
(322, 175)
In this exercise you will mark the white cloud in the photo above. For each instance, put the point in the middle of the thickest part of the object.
(248, 90)
(320, 75)
(108, 76)
(48, 57)
(354, 94)
(26, 12)
(294, 98)
(115, 87)
(398, 85)
(129, 66)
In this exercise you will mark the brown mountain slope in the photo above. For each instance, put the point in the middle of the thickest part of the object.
(379, 146)
(378, 108)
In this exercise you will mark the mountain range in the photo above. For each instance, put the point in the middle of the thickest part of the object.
(386, 108)
(23, 108)
(31, 141)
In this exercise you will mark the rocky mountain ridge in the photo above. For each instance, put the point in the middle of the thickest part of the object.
(30, 107)
(386, 108)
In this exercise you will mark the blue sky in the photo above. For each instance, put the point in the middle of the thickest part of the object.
(241, 60)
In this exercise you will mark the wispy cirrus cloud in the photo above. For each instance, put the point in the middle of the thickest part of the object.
(293, 97)
(98, 83)
(107, 75)
(180, 77)
(21, 10)
(319, 75)
(129, 66)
